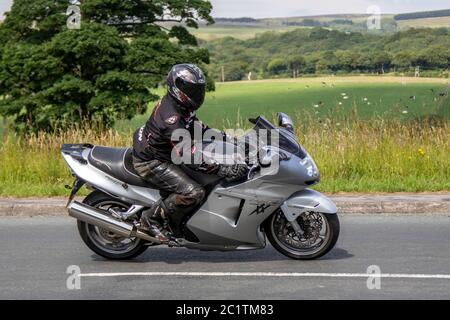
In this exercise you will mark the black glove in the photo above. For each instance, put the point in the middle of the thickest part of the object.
(207, 168)
(233, 172)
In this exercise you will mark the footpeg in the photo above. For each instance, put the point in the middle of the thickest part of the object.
(173, 242)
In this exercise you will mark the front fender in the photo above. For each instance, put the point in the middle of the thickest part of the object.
(307, 201)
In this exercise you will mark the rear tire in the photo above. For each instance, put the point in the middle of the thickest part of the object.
(92, 236)
(332, 234)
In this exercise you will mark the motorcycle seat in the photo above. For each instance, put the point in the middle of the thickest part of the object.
(118, 163)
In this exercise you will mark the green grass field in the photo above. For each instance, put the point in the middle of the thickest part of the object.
(320, 98)
(210, 33)
(363, 143)
(425, 23)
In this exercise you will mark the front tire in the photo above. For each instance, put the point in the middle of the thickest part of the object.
(104, 243)
(313, 244)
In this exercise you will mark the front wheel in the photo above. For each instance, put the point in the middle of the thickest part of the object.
(319, 234)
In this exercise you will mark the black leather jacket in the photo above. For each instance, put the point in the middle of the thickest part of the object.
(154, 139)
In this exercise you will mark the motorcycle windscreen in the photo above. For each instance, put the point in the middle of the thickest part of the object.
(285, 140)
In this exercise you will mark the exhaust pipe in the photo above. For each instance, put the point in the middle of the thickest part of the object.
(95, 217)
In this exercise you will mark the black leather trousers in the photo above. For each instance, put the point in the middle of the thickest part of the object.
(184, 193)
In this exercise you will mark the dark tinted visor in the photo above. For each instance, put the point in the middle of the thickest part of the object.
(195, 91)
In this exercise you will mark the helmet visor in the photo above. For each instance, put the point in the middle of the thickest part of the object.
(195, 91)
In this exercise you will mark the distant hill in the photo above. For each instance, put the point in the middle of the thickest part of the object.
(423, 15)
(250, 26)
(329, 17)
(441, 22)
(325, 51)
(290, 21)
(236, 20)
(333, 19)
(247, 28)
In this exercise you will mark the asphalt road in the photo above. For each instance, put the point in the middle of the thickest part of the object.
(35, 254)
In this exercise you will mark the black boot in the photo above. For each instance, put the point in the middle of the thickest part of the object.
(150, 224)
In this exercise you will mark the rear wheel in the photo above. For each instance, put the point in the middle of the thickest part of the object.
(319, 234)
(103, 242)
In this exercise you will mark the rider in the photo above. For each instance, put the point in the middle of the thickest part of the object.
(153, 146)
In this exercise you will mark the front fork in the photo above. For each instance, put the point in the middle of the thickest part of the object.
(291, 217)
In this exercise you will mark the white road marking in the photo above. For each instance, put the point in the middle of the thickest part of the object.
(267, 275)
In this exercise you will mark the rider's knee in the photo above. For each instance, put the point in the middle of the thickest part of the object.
(192, 196)
(198, 194)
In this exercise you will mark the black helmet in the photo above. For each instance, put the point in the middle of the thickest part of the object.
(187, 84)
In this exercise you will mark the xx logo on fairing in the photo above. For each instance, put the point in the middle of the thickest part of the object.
(260, 209)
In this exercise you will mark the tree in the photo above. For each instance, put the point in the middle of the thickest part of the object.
(235, 71)
(403, 60)
(296, 63)
(327, 62)
(333, 51)
(435, 57)
(345, 60)
(52, 77)
(382, 61)
(277, 66)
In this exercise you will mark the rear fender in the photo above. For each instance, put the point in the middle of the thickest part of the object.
(98, 179)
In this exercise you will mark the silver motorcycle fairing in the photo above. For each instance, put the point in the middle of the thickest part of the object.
(307, 201)
(110, 185)
(231, 217)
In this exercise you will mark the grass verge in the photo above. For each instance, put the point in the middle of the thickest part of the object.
(353, 156)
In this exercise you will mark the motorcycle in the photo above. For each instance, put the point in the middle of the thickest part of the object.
(277, 205)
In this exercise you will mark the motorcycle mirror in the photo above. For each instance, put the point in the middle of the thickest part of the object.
(285, 121)
(266, 158)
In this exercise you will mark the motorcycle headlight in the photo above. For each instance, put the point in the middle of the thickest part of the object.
(310, 166)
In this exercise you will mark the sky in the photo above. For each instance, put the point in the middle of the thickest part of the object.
(286, 8)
